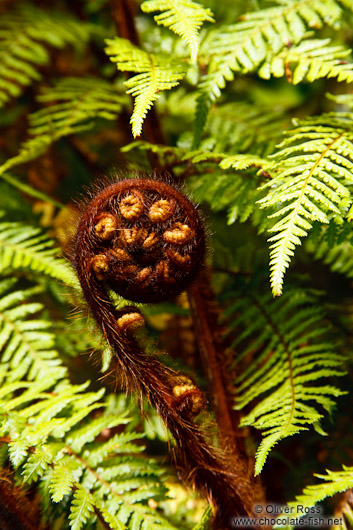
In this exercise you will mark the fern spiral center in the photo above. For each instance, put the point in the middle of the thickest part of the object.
(145, 239)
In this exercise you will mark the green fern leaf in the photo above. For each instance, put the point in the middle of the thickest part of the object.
(334, 247)
(71, 106)
(155, 74)
(61, 446)
(18, 451)
(23, 246)
(112, 520)
(26, 344)
(25, 36)
(313, 59)
(88, 433)
(184, 17)
(254, 40)
(61, 481)
(81, 508)
(313, 172)
(332, 483)
(246, 128)
(293, 353)
(36, 465)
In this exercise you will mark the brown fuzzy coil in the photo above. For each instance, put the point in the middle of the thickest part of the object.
(144, 239)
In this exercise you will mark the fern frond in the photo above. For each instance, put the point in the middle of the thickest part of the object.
(23, 246)
(311, 60)
(236, 193)
(26, 342)
(53, 437)
(258, 36)
(71, 106)
(292, 354)
(246, 127)
(330, 484)
(81, 508)
(334, 247)
(26, 34)
(313, 175)
(184, 17)
(342, 99)
(155, 74)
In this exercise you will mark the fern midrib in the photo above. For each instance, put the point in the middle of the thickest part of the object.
(288, 354)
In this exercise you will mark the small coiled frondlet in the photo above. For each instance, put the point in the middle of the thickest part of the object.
(143, 239)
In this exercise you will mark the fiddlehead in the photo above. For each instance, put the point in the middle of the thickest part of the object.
(144, 240)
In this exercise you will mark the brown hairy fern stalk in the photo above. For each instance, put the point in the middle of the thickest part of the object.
(143, 239)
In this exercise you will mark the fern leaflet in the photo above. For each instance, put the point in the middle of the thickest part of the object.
(52, 437)
(74, 105)
(258, 36)
(25, 35)
(23, 246)
(293, 354)
(311, 60)
(184, 17)
(332, 483)
(26, 342)
(313, 175)
(155, 74)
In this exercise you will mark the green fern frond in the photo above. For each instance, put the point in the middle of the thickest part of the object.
(25, 37)
(292, 354)
(342, 99)
(313, 172)
(155, 74)
(184, 17)
(334, 247)
(53, 437)
(258, 36)
(246, 127)
(81, 508)
(26, 342)
(26, 247)
(244, 46)
(311, 60)
(330, 484)
(236, 193)
(71, 106)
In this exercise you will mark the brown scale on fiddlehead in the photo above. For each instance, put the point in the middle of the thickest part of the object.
(144, 240)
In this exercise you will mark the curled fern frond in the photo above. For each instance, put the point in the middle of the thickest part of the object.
(184, 17)
(26, 35)
(155, 74)
(312, 178)
(312, 59)
(23, 246)
(71, 106)
(292, 354)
